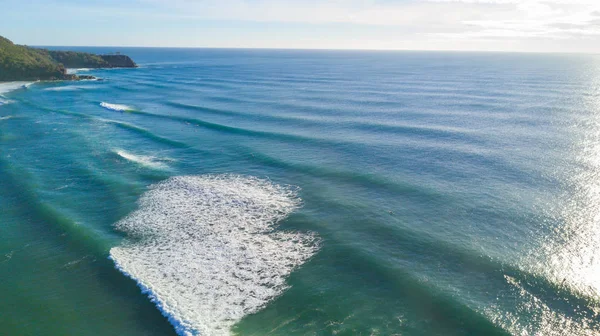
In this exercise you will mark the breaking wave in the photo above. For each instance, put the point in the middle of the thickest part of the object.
(64, 88)
(116, 107)
(204, 250)
(144, 160)
(73, 71)
(74, 87)
(11, 86)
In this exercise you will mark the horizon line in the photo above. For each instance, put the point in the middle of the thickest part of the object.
(324, 49)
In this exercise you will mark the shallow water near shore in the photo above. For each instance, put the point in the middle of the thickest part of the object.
(265, 192)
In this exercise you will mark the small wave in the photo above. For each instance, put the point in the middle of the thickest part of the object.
(76, 262)
(64, 88)
(8, 256)
(6, 117)
(63, 187)
(116, 107)
(11, 86)
(204, 250)
(144, 160)
(74, 87)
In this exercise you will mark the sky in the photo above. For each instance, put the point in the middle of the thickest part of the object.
(474, 25)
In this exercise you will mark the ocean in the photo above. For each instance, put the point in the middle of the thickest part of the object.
(274, 192)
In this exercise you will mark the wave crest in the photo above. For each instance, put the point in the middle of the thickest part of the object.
(144, 160)
(116, 107)
(6, 87)
(204, 250)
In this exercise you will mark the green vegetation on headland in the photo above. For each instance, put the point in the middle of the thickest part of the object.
(22, 63)
(72, 59)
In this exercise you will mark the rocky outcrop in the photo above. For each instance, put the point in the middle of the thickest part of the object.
(119, 61)
(87, 77)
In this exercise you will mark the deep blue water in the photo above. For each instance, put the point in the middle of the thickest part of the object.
(266, 192)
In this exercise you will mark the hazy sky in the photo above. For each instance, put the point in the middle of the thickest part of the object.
(504, 25)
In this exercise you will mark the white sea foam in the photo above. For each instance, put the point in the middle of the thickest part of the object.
(144, 160)
(64, 88)
(11, 86)
(204, 250)
(116, 107)
(6, 87)
(72, 71)
(72, 87)
(5, 117)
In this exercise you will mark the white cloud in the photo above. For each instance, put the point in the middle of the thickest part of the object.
(527, 16)
(414, 21)
(522, 17)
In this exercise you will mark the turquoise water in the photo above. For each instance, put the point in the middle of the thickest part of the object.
(262, 192)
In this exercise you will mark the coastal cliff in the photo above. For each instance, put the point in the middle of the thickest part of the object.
(119, 61)
(22, 63)
(73, 59)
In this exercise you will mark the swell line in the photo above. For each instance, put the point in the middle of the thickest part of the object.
(413, 130)
(144, 132)
(242, 131)
(345, 176)
(123, 125)
(462, 260)
(42, 212)
(427, 298)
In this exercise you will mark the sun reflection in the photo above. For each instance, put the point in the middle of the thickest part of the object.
(570, 256)
(558, 292)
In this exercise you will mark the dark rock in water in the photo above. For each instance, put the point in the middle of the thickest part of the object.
(119, 61)
(69, 77)
(86, 77)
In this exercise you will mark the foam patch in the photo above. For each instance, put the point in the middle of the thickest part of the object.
(6, 87)
(204, 248)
